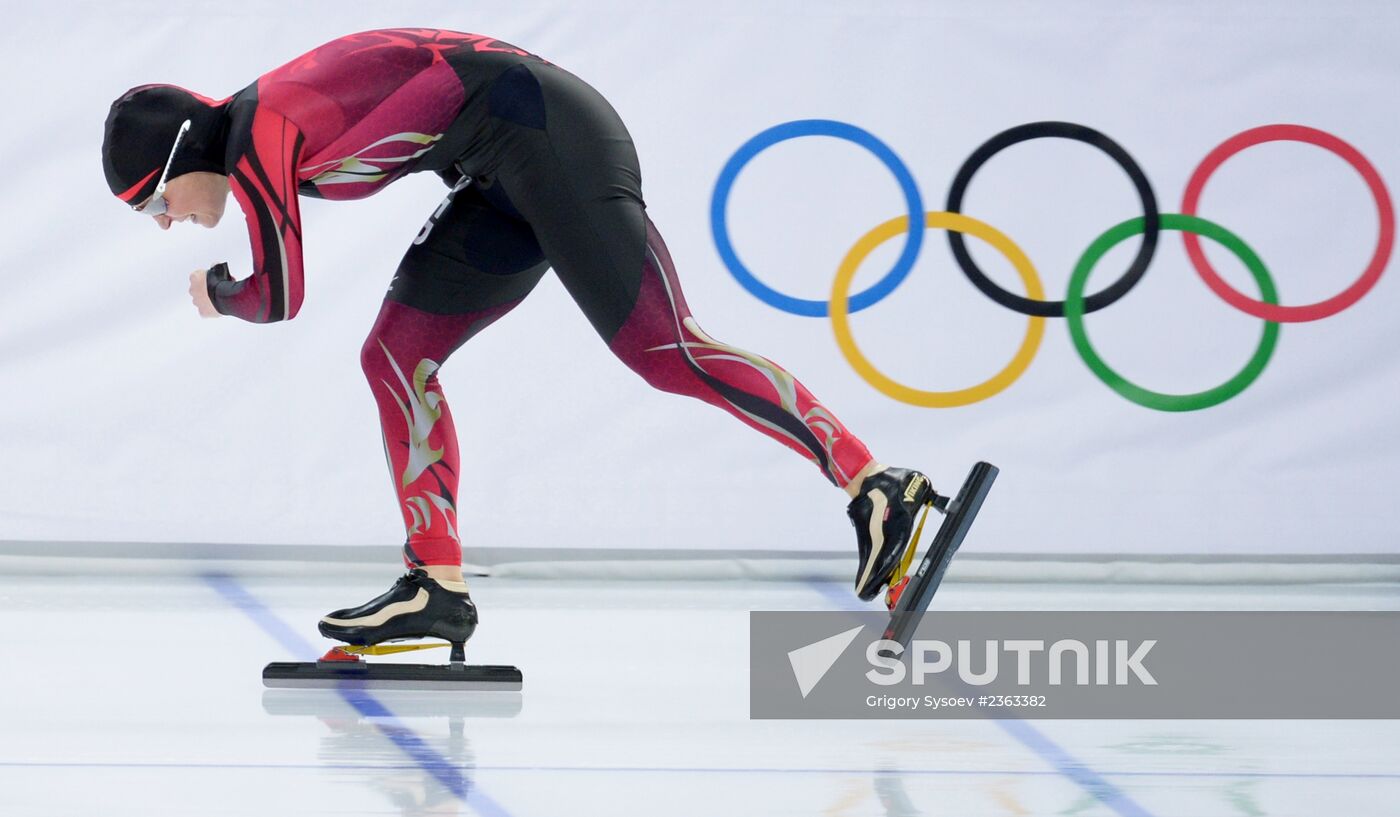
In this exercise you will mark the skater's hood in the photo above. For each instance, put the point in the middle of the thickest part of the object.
(141, 128)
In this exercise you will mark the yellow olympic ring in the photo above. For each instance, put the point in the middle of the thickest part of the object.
(956, 222)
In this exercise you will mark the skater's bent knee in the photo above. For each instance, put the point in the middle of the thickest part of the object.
(379, 359)
(372, 357)
(665, 370)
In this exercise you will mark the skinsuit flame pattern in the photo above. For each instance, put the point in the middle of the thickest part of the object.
(543, 174)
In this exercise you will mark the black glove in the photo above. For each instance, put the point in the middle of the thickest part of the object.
(213, 277)
(217, 274)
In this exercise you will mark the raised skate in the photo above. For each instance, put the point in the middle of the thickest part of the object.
(908, 595)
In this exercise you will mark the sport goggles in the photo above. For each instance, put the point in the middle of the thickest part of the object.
(156, 204)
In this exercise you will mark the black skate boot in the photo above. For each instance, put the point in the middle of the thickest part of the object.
(883, 515)
(417, 606)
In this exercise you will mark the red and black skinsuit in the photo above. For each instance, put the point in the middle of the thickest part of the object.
(543, 175)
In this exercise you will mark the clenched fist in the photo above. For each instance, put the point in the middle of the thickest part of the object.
(199, 294)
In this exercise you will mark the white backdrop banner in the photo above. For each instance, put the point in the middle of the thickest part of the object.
(1181, 417)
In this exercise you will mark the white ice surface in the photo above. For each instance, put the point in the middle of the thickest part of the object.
(141, 696)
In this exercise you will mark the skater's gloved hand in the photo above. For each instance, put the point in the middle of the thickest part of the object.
(199, 288)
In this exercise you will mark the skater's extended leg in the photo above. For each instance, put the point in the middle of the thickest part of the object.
(662, 342)
(568, 164)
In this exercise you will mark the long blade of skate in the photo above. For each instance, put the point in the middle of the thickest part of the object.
(915, 598)
(365, 675)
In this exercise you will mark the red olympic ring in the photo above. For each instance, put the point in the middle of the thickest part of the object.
(1326, 141)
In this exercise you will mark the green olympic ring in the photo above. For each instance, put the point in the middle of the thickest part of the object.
(1074, 315)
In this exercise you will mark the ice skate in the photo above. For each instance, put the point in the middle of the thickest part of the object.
(417, 606)
(909, 594)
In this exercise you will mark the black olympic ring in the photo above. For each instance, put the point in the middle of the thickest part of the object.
(1062, 130)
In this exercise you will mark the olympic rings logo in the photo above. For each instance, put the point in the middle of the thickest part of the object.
(1076, 303)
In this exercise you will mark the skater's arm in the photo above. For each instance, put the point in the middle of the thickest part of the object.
(263, 180)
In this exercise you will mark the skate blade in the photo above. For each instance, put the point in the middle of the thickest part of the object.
(913, 597)
(364, 675)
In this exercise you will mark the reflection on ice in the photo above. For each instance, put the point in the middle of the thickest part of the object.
(400, 702)
(410, 746)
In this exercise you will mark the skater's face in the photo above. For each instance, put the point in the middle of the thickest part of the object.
(197, 197)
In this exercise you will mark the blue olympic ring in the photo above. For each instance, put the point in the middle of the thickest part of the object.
(719, 205)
